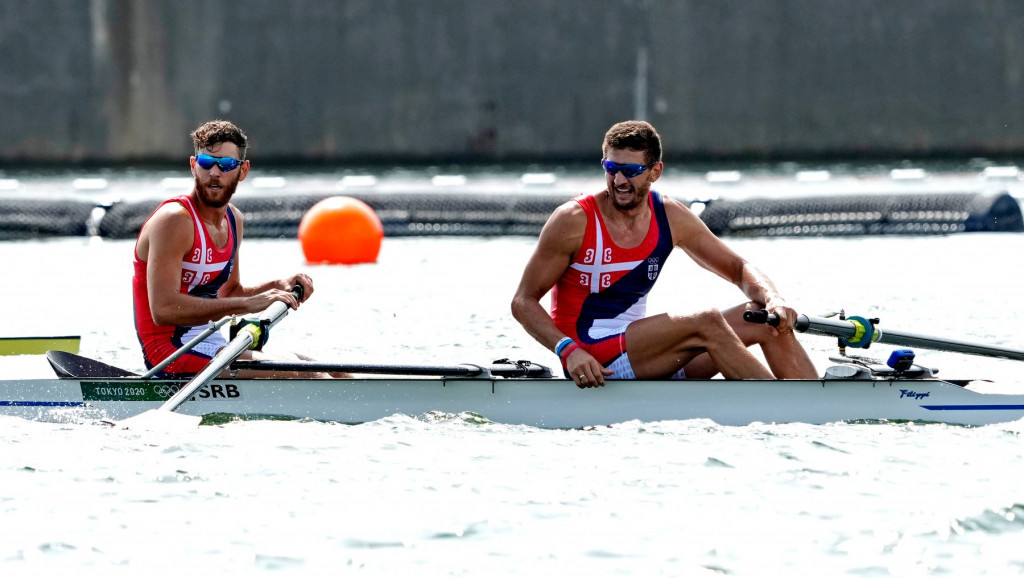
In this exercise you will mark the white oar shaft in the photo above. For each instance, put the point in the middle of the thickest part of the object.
(243, 341)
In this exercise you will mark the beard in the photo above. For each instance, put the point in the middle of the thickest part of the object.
(638, 196)
(216, 198)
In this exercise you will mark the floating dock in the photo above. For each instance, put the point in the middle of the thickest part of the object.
(810, 203)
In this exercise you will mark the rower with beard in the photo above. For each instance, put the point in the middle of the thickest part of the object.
(186, 260)
(600, 254)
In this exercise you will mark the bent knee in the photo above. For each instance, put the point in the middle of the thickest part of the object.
(711, 324)
(712, 318)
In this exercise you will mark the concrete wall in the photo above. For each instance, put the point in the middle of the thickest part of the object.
(126, 80)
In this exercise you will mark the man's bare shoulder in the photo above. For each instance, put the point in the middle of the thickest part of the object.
(169, 228)
(565, 227)
(171, 217)
(567, 216)
(686, 225)
(676, 209)
(571, 209)
(171, 210)
(673, 204)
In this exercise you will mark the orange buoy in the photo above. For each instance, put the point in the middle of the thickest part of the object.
(341, 230)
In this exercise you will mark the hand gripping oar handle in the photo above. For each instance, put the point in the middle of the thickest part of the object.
(850, 330)
(802, 321)
(761, 316)
(247, 336)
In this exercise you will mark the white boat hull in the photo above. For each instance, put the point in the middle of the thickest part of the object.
(546, 403)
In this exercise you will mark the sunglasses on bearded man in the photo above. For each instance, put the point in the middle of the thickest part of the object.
(628, 170)
(226, 164)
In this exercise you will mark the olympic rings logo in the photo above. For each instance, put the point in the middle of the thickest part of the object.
(166, 390)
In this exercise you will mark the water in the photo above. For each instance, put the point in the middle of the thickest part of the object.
(446, 495)
(449, 498)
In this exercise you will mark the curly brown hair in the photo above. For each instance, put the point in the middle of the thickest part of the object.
(218, 131)
(637, 135)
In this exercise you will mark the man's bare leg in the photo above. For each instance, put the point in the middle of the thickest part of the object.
(786, 357)
(658, 346)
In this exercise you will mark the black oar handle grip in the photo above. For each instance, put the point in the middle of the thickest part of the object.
(298, 291)
(762, 317)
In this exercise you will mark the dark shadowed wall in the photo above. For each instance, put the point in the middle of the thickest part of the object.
(358, 80)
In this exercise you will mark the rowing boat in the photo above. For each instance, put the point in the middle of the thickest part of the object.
(512, 393)
(855, 388)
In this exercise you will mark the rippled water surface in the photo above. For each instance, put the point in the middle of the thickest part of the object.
(445, 495)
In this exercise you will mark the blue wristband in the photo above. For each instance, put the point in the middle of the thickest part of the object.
(562, 344)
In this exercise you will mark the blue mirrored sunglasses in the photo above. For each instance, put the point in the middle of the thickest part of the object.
(629, 171)
(226, 164)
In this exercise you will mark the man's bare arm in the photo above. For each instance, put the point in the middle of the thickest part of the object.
(711, 253)
(559, 242)
(165, 243)
(560, 238)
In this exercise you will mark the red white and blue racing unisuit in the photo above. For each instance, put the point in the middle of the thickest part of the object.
(605, 287)
(203, 271)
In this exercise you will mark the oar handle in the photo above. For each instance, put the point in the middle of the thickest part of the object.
(763, 317)
(261, 325)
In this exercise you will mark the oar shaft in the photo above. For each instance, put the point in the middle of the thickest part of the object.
(218, 364)
(523, 369)
(847, 329)
(371, 368)
(894, 337)
(244, 340)
(210, 330)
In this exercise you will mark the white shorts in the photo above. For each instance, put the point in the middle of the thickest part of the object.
(624, 369)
